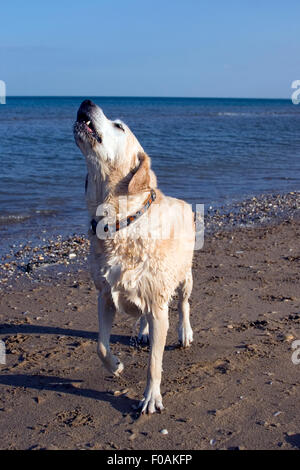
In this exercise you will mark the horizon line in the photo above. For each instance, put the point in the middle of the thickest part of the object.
(149, 96)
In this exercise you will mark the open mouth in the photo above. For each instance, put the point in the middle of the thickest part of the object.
(85, 124)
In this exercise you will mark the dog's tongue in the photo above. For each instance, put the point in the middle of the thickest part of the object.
(88, 128)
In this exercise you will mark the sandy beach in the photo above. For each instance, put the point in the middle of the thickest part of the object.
(235, 388)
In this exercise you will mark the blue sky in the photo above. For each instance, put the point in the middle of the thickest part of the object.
(150, 48)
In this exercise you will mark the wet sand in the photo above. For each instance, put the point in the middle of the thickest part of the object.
(235, 388)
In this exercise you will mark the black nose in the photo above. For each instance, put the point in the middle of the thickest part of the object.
(84, 111)
(87, 104)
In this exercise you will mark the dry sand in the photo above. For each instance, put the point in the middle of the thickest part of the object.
(236, 387)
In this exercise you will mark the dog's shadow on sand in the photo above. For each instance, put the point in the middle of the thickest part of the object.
(61, 385)
(27, 329)
(121, 403)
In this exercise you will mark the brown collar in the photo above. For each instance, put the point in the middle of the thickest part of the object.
(128, 220)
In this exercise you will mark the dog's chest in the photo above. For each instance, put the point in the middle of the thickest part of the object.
(122, 262)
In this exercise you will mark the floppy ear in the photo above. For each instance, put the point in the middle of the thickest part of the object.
(141, 179)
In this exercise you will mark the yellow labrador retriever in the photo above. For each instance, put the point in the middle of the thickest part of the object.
(142, 242)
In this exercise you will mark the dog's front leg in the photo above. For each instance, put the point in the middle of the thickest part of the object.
(106, 314)
(158, 327)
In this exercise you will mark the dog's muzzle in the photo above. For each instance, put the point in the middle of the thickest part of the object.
(84, 127)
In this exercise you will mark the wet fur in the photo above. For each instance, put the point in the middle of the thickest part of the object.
(137, 275)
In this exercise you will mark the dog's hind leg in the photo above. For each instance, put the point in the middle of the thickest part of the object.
(106, 314)
(185, 332)
(143, 336)
(158, 328)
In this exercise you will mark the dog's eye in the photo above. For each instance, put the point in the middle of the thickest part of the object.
(119, 126)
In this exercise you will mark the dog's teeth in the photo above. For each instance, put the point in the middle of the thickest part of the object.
(88, 123)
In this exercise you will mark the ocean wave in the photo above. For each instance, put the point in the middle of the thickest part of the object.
(13, 218)
(250, 113)
(259, 113)
(9, 219)
(223, 113)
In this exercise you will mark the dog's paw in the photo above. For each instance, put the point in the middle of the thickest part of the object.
(111, 362)
(118, 369)
(151, 403)
(185, 336)
(114, 366)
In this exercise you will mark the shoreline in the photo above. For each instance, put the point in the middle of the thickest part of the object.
(258, 211)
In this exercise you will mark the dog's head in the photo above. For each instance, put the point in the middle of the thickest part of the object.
(113, 144)
(99, 137)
